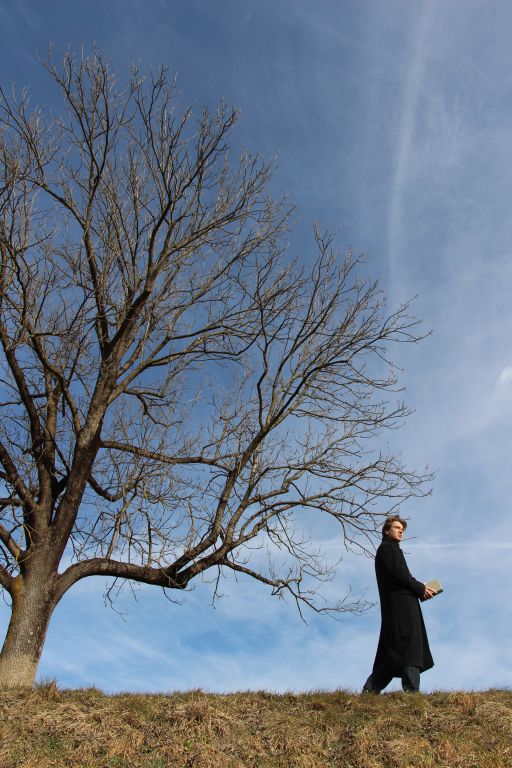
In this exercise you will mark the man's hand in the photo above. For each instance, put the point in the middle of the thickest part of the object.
(429, 593)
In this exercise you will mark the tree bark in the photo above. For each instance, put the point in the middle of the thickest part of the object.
(32, 608)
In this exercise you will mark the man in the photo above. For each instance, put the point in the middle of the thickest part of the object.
(403, 649)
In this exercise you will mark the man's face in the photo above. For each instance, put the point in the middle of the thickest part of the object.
(395, 531)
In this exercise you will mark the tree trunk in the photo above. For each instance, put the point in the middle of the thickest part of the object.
(32, 607)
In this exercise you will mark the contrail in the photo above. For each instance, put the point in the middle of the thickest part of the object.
(406, 137)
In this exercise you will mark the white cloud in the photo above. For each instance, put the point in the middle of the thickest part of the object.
(505, 377)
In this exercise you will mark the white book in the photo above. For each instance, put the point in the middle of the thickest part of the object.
(436, 585)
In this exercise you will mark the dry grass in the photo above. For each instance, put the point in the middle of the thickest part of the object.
(88, 729)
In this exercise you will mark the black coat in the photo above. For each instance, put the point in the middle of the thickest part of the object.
(403, 639)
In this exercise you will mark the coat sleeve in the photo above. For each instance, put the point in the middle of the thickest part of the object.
(393, 561)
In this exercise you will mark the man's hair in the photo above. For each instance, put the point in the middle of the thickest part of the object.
(393, 519)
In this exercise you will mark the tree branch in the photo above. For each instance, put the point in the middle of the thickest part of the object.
(16, 551)
(6, 579)
(15, 480)
(161, 457)
(160, 577)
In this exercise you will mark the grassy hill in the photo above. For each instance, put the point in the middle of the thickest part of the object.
(88, 729)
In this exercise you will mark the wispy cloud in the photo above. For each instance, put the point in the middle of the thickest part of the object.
(505, 379)
(406, 133)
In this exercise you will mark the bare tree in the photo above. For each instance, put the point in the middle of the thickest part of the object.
(176, 392)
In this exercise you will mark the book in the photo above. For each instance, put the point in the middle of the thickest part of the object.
(436, 585)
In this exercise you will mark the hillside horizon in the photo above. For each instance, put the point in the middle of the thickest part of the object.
(85, 728)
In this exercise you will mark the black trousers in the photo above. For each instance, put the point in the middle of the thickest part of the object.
(381, 677)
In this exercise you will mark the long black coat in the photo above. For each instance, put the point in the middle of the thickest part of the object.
(403, 639)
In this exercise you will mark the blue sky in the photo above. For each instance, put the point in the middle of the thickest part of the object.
(392, 122)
